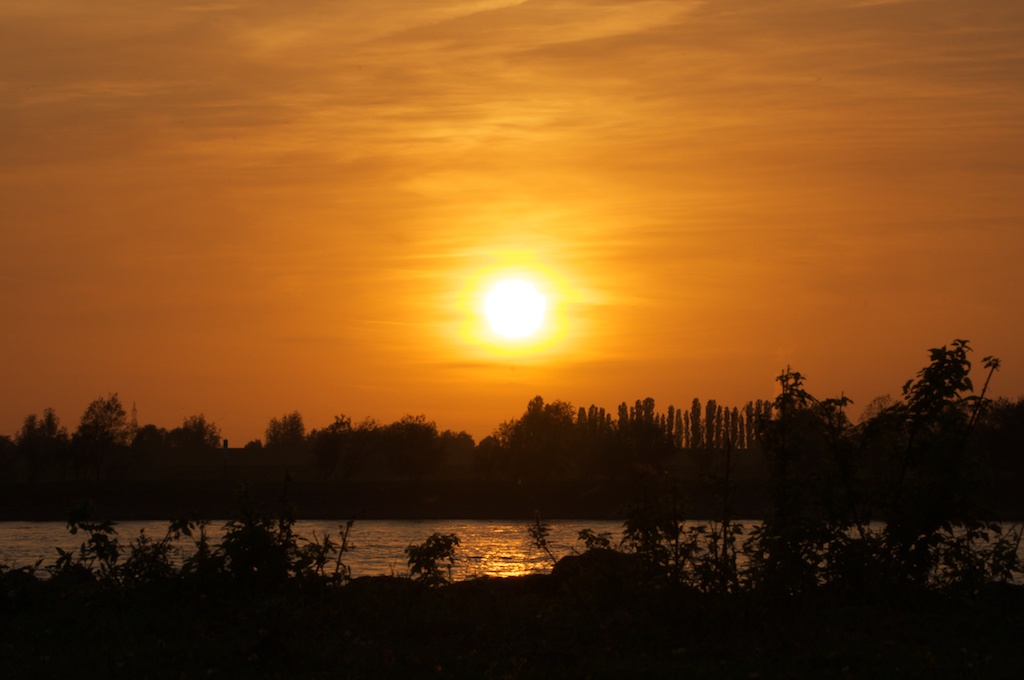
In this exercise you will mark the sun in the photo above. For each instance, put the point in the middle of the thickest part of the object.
(515, 308)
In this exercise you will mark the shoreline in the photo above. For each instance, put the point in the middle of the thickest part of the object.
(372, 499)
(387, 499)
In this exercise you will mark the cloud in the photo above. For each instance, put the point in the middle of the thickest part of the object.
(337, 167)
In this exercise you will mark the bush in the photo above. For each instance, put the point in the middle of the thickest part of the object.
(426, 559)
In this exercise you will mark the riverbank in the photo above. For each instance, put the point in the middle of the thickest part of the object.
(392, 499)
(387, 499)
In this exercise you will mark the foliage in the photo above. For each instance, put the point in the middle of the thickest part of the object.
(102, 438)
(594, 541)
(98, 555)
(549, 442)
(259, 550)
(42, 443)
(149, 560)
(286, 433)
(431, 562)
(150, 440)
(454, 447)
(205, 563)
(935, 481)
(320, 558)
(653, 530)
(8, 457)
(701, 555)
(101, 557)
(411, 446)
(645, 437)
(969, 555)
(331, 446)
(257, 553)
(811, 503)
(906, 464)
(196, 433)
(490, 458)
(539, 532)
(540, 444)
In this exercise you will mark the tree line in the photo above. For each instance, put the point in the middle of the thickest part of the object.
(550, 440)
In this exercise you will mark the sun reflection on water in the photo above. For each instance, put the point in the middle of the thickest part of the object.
(377, 547)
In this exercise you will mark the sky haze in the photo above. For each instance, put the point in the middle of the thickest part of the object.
(246, 209)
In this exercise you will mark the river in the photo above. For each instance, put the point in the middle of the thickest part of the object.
(376, 547)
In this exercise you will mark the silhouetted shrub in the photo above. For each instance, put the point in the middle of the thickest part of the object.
(258, 551)
(426, 560)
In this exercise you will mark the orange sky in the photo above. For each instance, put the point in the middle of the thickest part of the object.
(245, 209)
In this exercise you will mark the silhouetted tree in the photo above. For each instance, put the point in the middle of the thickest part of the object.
(42, 443)
(596, 442)
(287, 433)
(8, 458)
(696, 429)
(623, 422)
(195, 433)
(150, 443)
(151, 439)
(735, 433)
(687, 431)
(412, 446)
(795, 447)
(748, 424)
(876, 406)
(1001, 431)
(456, 447)
(644, 439)
(490, 458)
(333, 445)
(541, 442)
(908, 462)
(680, 430)
(710, 434)
(935, 475)
(370, 447)
(102, 438)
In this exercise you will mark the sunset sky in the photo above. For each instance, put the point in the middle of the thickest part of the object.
(246, 209)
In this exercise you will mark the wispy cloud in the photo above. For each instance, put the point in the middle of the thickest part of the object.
(265, 173)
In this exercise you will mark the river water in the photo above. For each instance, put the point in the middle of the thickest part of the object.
(376, 547)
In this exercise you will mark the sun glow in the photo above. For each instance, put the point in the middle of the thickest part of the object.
(514, 305)
(515, 309)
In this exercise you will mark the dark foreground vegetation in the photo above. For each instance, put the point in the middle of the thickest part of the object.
(875, 558)
(668, 599)
(596, 621)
